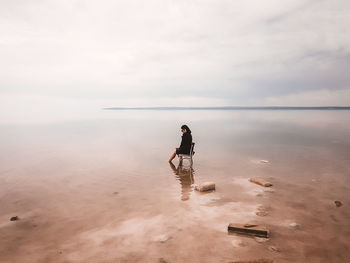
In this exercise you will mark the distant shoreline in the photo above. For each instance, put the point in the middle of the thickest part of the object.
(232, 108)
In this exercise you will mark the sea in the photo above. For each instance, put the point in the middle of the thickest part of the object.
(101, 189)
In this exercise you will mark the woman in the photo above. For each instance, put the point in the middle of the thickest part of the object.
(186, 142)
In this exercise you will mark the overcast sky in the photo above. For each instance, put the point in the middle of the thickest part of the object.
(176, 52)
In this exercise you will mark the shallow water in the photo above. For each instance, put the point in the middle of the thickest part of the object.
(101, 189)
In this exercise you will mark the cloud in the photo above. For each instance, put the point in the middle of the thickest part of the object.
(311, 98)
(234, 51)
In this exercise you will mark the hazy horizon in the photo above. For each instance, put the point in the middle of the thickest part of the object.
(232, 107)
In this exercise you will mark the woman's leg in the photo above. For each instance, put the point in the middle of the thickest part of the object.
(172, 156)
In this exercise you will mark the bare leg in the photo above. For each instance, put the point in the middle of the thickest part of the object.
(172, 156)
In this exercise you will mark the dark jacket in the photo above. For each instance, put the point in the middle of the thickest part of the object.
(186, 142)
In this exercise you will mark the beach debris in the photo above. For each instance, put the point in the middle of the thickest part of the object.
(162, 260)
(249, 229)
(161, 238)
(14, 218)
(204, 187)
(261, 213)
(338, 203)
(294, 225)
(237, 243)
(260, 181)
(254, 261)
(261, 239)
(261, 208)
(264, 161)
(274, 249)
(334, 218)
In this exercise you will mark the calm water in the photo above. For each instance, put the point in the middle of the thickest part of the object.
(101, 189)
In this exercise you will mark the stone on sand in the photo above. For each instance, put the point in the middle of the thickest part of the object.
(294, 225)
(261, 213)
(338, 203)
(237, 243)
(261, 239)
(204, 187)
(273, 249)
(264, 161)
(161, 238)
(261, 208)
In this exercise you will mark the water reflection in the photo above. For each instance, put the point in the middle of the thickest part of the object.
(185, 174)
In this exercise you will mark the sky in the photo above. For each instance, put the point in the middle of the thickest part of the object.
(113, 53)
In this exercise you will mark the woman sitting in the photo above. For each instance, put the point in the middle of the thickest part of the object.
(186, 142)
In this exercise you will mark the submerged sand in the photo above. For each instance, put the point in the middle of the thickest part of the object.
(102, 190)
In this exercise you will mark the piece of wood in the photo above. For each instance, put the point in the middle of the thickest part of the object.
(254, 261)
(260, 181)
(249, 229)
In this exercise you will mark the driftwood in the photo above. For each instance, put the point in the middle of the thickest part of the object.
(249, 229)
(254, 261)
(260, 182)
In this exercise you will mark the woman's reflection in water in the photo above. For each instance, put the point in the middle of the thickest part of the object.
(185, 175)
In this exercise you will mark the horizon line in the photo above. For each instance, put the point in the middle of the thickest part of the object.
(235, 108)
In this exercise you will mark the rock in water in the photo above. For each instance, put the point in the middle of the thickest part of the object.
(294, 225)
(338, 203)
(161, 238)
(261, 239)
(261, 213)
(237, 243)
(261, 208)
(273, 249)
(260, 181)
(204, 187)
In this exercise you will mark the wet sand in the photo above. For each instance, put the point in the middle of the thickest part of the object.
(102, 190)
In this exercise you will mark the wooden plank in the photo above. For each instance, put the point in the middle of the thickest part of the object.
(260, 182)
(247, 229)
(254, 261)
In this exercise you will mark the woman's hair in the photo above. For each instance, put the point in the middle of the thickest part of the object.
(185, 127)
